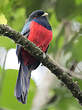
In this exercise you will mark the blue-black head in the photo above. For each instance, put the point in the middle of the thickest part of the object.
(37, 14)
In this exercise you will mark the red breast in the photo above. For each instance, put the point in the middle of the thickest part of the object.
(40, 36)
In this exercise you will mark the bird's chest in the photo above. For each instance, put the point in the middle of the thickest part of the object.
(40, 35)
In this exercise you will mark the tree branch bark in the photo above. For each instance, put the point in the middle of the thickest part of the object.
(44, 58)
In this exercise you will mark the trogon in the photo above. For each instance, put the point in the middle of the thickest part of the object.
(38, 30)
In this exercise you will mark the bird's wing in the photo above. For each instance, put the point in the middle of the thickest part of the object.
(25, 33)
(26, 29)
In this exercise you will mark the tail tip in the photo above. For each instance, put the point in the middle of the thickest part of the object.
(22, 98)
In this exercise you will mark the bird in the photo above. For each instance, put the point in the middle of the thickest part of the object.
(38, 30)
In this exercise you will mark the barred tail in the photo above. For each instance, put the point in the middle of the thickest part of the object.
(22, 84)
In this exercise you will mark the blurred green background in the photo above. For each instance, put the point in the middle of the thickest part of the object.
(65, 17)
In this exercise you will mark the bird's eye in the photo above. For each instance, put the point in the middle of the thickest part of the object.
(39, 14)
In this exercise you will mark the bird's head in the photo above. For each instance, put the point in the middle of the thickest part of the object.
(37, 13)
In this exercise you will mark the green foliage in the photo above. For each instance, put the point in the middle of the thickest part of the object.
(64, 8)
(7, 43)
(7, 98)
(76, 49)
(68, 9)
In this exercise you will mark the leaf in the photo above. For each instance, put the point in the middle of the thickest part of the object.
(7, 99)
(7, 43)
(3, 19)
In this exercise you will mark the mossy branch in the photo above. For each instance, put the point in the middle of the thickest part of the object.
(44, 58)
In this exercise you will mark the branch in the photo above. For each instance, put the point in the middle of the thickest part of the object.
(44, 58)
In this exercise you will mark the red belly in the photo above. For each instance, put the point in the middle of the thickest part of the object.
(40, 36)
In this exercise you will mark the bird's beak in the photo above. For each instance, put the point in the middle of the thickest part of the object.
(45, 14)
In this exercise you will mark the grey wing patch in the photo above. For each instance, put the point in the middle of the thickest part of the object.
(26, 29)
(25, 32)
